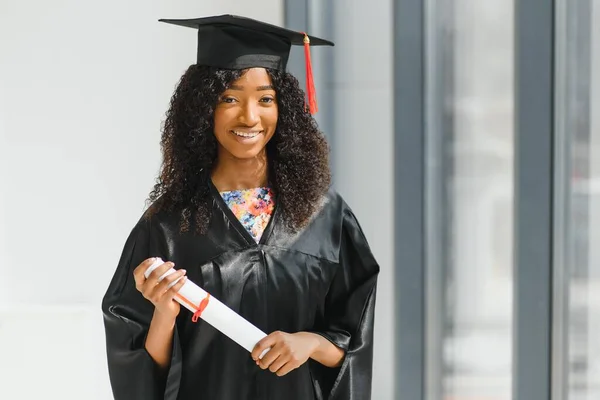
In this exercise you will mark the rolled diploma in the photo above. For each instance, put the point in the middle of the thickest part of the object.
(216, 313)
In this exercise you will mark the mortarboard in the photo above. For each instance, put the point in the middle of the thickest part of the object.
(233, 42)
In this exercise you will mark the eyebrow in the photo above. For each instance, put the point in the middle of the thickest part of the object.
(258, 88)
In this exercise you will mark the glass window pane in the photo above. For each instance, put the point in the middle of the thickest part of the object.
(579, 111)
(473, 124)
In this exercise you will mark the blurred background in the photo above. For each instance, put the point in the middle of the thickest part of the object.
(84, 87)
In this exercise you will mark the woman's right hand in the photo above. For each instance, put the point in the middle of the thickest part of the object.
(159, 293)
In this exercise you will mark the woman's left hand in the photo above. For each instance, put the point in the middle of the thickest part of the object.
(288, 351)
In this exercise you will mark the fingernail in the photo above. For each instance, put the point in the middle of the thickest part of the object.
(183, 271)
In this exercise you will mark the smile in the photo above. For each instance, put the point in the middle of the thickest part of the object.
(247, 135)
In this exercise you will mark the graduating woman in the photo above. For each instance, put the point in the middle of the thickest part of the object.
(243, 208)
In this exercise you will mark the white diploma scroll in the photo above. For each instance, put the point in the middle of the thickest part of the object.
(216, 313)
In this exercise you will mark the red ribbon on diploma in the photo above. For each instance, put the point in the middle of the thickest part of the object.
(201, 308)
(203, 304)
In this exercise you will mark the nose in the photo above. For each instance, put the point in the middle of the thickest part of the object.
(250, 114)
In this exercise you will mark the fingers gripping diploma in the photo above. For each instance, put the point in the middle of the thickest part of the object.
(159, 283)
(283, 352)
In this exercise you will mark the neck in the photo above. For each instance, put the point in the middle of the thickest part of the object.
(230, 173)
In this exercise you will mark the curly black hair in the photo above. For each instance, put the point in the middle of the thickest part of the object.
(298, 154)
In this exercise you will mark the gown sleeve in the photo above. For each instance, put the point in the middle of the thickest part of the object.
(348, 318)
(127, 315)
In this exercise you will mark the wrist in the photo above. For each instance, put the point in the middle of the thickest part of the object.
(314, 342)
(326, 352)
(163, 320)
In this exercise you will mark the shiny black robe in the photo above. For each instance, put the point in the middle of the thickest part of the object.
(321, 279)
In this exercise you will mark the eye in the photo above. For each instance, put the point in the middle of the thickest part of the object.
(267, 99)
(227, 99)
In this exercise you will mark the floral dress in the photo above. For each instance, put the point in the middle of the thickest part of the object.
(252, 207)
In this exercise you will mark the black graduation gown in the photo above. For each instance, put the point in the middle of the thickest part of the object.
(321, 280)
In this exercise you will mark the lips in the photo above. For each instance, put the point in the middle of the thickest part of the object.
(246, 134)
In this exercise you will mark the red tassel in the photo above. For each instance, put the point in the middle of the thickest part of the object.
(310, 83)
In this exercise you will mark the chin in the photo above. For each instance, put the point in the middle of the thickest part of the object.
(244, 154)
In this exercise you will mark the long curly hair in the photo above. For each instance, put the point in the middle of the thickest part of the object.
(298, 154)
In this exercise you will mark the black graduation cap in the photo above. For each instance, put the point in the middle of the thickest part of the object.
(234, 42)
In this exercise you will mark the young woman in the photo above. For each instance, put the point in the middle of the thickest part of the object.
(243, 208)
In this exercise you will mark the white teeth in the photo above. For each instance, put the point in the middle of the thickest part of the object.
(246, 134)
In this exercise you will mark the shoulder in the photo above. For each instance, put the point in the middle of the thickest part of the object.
(320, 237)
(334, 205)
(158, 216)
(333, 215)
(342, 215)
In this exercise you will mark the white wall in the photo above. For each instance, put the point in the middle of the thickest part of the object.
(83, 89)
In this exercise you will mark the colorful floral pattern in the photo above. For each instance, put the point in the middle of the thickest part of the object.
(252, 207)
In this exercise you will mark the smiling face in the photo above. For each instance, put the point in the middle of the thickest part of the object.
(246, 115)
